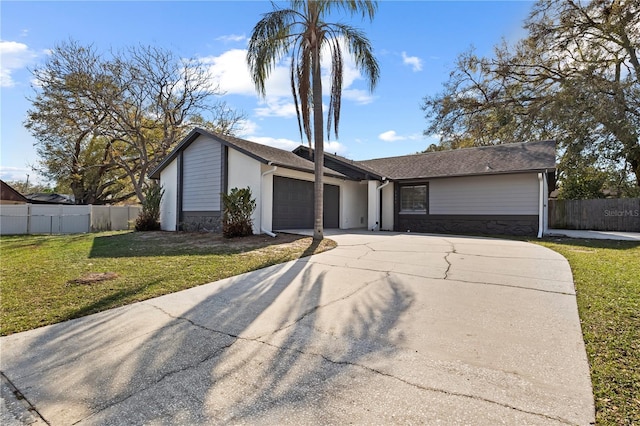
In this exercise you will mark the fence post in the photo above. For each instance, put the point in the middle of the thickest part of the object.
(28, 218)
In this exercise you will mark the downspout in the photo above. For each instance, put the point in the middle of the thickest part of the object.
(268, 172)
(541, 204)
(379, 221)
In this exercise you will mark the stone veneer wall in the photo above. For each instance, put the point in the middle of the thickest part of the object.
(201, 222)
(469, 224)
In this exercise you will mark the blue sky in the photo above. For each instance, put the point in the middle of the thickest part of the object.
(416, 44)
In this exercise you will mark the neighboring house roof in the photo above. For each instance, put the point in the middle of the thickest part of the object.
(7, 193)
(49, 198)
(488, 160)
(262, 153)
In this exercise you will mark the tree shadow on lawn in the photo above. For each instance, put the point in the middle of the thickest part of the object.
(112, 299)
(244, 350)
(591, 243)
(142, 244)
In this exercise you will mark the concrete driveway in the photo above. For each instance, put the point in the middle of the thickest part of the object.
(385, 329)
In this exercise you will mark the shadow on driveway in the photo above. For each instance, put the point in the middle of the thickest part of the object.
(241, 350)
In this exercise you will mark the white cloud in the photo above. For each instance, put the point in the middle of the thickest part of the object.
(350, 73)
(13, 56)
(8, 173)
(247, 127)
(390, 136)
(230, 70)
(232, 38)
(413, 61)
(361, 97)
(286, 144)
(333, 147)
(393, 136)
(275, 106)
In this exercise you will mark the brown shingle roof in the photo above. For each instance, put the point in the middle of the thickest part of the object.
(344, 165)
(498, 159)
(7, 193)
(263, 153)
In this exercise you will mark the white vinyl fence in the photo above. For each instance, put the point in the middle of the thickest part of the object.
(64, 219)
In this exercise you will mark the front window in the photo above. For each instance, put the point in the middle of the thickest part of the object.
(413, 199)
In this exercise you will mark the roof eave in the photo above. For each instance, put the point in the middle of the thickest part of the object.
(498, 173)
(351, 164)
(196, 132)
(193, 134)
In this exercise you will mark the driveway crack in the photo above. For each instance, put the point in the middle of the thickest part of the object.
(446, 259)
(22, 400)
(412, 384)
(217, 352)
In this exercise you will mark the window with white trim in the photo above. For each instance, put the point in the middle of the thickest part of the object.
(413, 199)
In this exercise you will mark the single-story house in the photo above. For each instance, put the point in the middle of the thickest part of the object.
(8, 195)
(50, 198)
(499, 189)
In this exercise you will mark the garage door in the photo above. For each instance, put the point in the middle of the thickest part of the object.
(293, 204)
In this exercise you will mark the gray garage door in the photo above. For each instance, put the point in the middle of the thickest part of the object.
(293, 204)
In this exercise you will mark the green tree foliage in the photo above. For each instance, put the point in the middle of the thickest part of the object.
(149, 217)
(302, 32)
(66, 123)
(103, 121)
(238, 208)
(25, 187)
(574, 78)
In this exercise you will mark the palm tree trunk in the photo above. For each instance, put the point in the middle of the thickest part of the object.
(318, 136)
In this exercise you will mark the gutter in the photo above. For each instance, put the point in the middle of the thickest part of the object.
(268, 172)
(379, 221)
(541, 204)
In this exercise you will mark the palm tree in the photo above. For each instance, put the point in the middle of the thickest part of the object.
(302, 32)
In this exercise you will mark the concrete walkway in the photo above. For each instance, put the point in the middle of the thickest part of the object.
(385, 329)
(594, 235)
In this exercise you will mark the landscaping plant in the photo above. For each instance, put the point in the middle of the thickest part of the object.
(238, 208)
(149, 217)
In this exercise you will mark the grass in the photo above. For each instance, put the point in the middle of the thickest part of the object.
(49, 279)
(607, 279)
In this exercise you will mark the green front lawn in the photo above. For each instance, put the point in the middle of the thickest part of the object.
(48, 279)
(607, 279)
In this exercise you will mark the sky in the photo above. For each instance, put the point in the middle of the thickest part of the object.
(416, 44)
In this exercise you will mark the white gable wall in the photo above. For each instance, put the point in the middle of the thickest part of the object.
(202, 175)
(243, 171)
(513, 194)
(169, 201)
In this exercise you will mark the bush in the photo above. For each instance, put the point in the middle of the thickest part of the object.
(149, 217)
(238, 208)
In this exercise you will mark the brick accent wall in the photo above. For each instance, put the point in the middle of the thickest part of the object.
(469, 224)
(201, 222)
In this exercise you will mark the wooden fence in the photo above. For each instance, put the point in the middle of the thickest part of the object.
(609, 214)
(64, 219)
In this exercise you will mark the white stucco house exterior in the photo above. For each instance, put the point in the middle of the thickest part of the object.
(488, 190)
